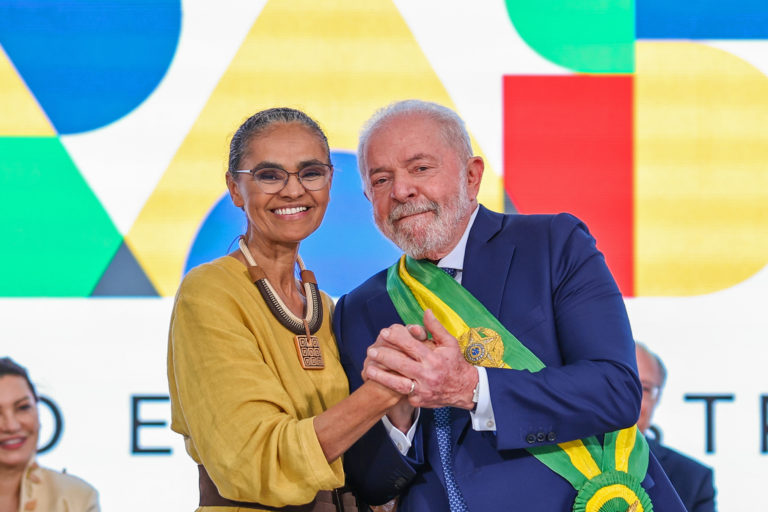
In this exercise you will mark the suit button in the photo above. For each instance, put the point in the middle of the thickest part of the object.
(530, 439)
(540, 437)
(551, 436)
(400, 483)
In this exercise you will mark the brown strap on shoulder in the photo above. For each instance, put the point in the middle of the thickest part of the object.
(307, 276)
(256, 273)
(338, 500)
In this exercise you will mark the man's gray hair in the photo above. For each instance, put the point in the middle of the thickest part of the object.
(453, 129)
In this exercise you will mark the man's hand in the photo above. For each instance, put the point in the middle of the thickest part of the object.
(401, 414)
(432, 375)
(416, 331)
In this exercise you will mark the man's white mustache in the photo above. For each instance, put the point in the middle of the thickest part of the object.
(406, 209)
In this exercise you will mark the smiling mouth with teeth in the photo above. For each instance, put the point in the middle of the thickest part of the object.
(290, 211)
(13, 442)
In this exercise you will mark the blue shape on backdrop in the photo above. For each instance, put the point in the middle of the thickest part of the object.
(704, 19)
(345, 251)
(90, 62)
(216, 236)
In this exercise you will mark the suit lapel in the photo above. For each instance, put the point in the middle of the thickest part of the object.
(381, 312)
(487, 260)
(657, 449)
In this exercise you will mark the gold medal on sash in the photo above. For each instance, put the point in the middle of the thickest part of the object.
(483, 347)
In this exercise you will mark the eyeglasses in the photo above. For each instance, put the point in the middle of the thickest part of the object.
(272, 180)
(651, 390)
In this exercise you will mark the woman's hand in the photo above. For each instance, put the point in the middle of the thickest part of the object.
(346, 422)
(401, 415)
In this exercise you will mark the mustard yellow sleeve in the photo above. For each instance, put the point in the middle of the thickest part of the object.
(240, 421)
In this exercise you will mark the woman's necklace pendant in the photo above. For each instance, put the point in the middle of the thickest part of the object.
(308, 349)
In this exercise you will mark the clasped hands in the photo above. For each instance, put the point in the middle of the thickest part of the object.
(428, 372)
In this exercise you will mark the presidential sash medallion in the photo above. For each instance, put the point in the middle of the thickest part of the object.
(482, 347)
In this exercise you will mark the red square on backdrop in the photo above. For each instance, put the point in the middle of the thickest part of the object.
(568, 143)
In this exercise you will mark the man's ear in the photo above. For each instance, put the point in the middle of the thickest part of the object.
(366, 189)
(234, 191)
(475, 168)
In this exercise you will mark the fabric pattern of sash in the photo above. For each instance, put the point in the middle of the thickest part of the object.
(606, 477)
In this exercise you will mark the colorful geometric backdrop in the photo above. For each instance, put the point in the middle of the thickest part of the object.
(645, 118)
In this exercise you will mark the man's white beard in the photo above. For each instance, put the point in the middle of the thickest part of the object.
(429, 234)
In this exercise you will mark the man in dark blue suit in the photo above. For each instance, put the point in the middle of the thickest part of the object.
(460, 438)
(693, 481)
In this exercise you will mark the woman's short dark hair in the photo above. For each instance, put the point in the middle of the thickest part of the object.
(261, 121)
(10, 367)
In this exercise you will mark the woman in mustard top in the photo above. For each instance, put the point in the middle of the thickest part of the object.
(257, 389)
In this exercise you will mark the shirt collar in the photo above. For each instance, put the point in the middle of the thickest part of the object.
(455, 258)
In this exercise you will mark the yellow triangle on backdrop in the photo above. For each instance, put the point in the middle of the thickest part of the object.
(20, 114)
(701, 186)
(337, 60)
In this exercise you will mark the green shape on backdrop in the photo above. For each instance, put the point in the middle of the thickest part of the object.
(588, 36)
(56, 239)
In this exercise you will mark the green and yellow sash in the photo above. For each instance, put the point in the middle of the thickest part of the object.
(607, 478)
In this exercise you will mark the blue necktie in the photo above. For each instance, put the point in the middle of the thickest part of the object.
(450, 271)
(443, 431)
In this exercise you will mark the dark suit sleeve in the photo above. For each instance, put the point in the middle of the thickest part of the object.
(373, 465)
(593, 388)
(705, 495)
